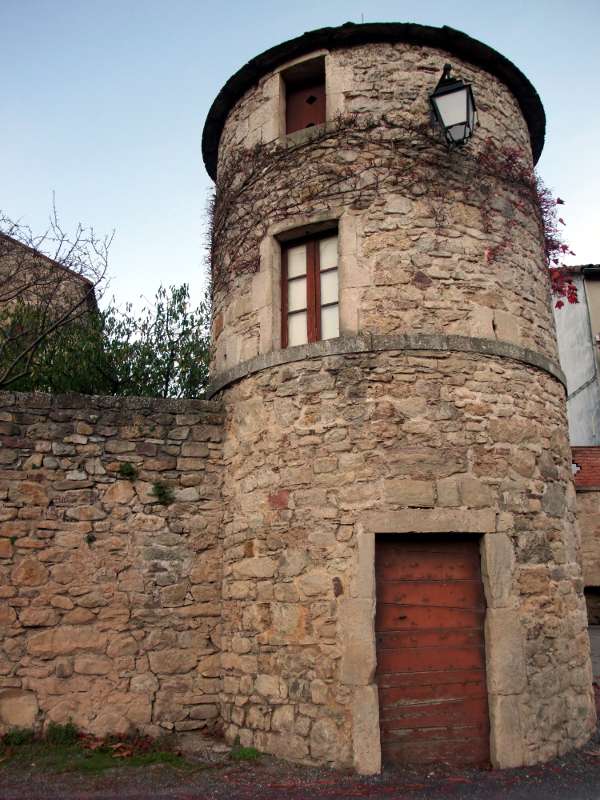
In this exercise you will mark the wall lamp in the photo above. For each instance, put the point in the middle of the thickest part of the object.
(453, 108)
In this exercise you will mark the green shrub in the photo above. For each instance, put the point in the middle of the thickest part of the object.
(163, 493)
(17, 737)
(127, 470)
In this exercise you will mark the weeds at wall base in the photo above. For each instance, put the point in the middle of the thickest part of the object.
(239, 753)
(62, 748)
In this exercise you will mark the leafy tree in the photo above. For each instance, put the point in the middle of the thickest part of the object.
(161, 351)
(72, 358)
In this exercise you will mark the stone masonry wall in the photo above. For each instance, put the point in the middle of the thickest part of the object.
(430, 241)
(586, 466)
(110, 601)
(311, 450)
(588, 517)
(417, 224)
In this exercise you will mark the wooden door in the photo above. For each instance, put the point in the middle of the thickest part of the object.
(430, 650)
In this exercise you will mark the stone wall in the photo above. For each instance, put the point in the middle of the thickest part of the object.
(315, 449)
(110, 601)
(586, 466)
(323, 452)
(417, 225)
(588, 517)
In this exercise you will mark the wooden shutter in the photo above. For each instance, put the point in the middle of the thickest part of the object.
(305, 106)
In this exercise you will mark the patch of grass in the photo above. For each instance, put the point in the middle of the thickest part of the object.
(64, 749)
(18, 737)
(163, 493)
(239, 753)
(158, 757)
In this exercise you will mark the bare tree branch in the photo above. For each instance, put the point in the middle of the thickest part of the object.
(47, 281)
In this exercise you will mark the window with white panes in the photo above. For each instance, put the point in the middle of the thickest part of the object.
(310, 290)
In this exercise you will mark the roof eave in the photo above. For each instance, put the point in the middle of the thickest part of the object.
(349, 35)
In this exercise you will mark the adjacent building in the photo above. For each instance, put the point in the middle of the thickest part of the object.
(578, 334)
(30, 277)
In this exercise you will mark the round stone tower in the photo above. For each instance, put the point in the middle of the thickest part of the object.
(401, 559)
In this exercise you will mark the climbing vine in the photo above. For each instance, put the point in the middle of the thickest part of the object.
(509, 164)
(357, 159)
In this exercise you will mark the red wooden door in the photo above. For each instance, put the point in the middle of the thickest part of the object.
(430, 650)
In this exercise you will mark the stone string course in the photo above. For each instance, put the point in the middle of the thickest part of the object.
(366, 343)
(110, 602)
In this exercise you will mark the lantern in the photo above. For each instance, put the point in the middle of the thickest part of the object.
(454, 109)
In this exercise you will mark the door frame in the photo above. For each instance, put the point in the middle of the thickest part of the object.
(504, 637)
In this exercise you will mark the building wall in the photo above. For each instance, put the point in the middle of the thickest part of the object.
(322, 454)
(439, 409)
(592, 292)
(110, 602)
(416, 225)
(578, 359)
(28, 276)
(588, 517)
(586, 467)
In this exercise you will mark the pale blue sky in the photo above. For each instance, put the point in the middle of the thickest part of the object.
(103, 102)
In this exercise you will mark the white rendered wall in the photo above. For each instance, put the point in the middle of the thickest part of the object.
(577, 352)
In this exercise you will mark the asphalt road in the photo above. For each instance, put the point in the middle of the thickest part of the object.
(574, 777)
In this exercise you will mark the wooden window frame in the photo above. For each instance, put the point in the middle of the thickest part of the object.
(313, 284)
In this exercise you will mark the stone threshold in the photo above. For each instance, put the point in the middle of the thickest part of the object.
(373, 343)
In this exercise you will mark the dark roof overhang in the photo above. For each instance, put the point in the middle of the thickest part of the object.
(348, 35)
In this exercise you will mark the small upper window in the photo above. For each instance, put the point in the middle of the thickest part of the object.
(304, 95)
(309, 290)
